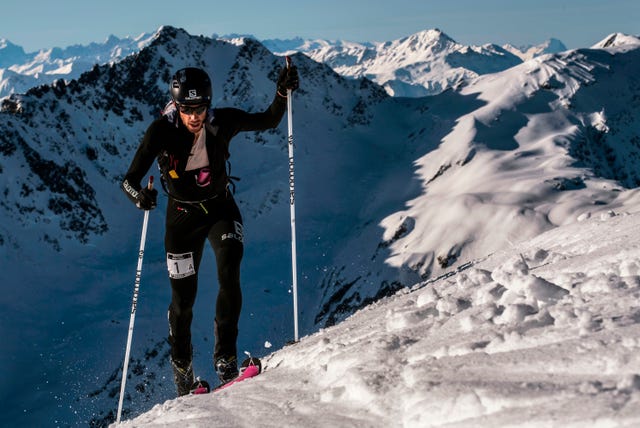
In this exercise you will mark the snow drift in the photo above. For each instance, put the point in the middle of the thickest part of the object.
(545, 333)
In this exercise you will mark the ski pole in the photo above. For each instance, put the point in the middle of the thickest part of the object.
(134, 304)
(294, 268)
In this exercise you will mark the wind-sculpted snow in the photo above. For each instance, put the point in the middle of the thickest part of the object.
(540, 334)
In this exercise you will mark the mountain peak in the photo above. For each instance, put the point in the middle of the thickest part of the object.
(428, 40)
(4, 43)
(167, 31)
(555, 45)
(10, 53)
(616, 40)
(526, 53)
(434, 34)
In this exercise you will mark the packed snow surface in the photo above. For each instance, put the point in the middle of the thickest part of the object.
(545, 333)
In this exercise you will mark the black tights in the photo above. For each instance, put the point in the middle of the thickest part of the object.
(187, 229)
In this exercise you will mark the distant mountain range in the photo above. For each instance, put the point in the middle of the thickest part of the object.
(20, 70)
(424, 63)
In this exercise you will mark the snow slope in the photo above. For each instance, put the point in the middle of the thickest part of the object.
(544, 333)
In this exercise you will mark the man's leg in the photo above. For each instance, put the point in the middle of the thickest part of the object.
(226, 238)
(184, 241)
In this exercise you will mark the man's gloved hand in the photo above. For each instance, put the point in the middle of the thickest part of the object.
(288, 79)
(147, 199)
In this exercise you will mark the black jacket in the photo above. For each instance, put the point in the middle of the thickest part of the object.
(169, 141)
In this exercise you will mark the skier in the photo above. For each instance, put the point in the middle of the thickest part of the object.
(191, 143)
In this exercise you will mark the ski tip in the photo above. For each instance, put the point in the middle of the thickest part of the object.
(252, 362)
(200, 387)
(251, 371)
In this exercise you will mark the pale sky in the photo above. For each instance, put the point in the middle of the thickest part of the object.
(42, 24)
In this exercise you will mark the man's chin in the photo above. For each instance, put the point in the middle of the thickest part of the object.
(194, 129)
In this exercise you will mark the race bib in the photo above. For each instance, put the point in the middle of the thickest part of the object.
(180, 265)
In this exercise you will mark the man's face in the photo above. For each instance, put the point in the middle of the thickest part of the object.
(193, 116)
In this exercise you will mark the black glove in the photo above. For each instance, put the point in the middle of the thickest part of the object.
(147, 199)
(288, 79)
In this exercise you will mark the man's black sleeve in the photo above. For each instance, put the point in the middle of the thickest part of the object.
(141, 163)
(244, 121)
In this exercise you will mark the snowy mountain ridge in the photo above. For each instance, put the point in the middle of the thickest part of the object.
(529, 52)
(449, 186)
(618, 40)
(20, 71)
(424, 63)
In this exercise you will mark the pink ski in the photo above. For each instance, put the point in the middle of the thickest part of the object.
(250, 367)
(247, 373)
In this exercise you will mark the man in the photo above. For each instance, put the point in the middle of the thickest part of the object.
(191, 144)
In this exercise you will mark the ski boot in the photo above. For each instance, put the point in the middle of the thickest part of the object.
(226, 368)
(182, 376)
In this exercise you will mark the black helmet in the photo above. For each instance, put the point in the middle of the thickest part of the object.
(191, 86)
